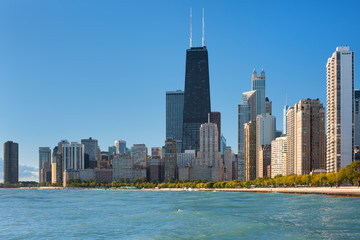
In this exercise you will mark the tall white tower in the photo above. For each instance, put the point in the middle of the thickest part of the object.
(340, 109)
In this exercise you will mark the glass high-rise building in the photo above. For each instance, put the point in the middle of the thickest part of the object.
(196, 96)
(174, 116)
(258, 84)
(11, 162)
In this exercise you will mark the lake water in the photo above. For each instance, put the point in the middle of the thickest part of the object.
(91, 214)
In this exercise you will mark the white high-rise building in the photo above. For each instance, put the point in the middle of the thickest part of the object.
(278, 156)
(286, 107)
(73, 156)
(340, 109)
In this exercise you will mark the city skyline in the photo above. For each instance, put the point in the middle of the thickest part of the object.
(31, 129)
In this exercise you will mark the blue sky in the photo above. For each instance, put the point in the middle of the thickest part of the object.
(79, 69)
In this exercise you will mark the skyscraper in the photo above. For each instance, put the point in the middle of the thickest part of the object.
(278, 156)
(44, 164)
(139, 155)
(258, 84)
(174, 116)
(247, 111)
(73, 156)
(250, 150)
(265, 133)
(209, 153)
(57, 166)
(285, 119)
(306, 137)
(196, 96)
(340, 109)
(268, 106)
(357, 118)
(11, 162)
(120, 146)
(215, 117)
(170, 164)
(91, 150)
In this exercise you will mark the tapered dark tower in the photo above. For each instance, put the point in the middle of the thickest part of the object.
(196, 96)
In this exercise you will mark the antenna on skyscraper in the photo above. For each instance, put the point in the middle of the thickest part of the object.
(203, 29)
(190, 27)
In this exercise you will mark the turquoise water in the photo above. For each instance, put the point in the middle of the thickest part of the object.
(90, 214)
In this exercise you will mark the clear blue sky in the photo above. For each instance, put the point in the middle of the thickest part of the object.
(75, 69)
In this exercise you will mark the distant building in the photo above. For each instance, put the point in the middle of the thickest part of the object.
(258, 84)
(122, 167)
(268, 106)
(357, 118)
(229, 158)
(120, 146)
(264, 160)
(157, 152)
(170, 164)
(340, 109)
(11, 162)
(250, 150)
(215, 117)
(174, 116)
(265, 133)
(286, 107)
(111, 152)
(222, 144)
(247, 111)
(186, 159)
(306, 137)
(91, 150)
(154, 169)
(57, 166)
(73, 156)
(139, 155)
(278, 156)
(44, 164)
(196, 96)
(209, 153)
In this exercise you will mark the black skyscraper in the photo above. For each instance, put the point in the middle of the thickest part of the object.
(196, 96)
(11, 162)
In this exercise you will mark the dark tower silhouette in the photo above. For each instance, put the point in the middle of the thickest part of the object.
(11, 162)
(196, 96)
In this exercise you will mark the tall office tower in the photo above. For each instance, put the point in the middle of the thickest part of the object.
(170, 164)
(122, 167)
(250, 150)
(306, 137)
(229, 157)
(285, 118)
(120, 146)
(91, 149)
(258, 84)
(289, 167)
(73, 156)
(357, 118)
(44, 164)
(265, 133)
(157, 151)
(57, 166)
(268, 106)
(139, 154)
(340, 109)
(265, 160)
(186, 159)
(196, 96)
(215, 117)
(174, 116)
(11, 162)
(209, 153)
(222, 144)
(111, 152)
(278, 156)
(247, 111)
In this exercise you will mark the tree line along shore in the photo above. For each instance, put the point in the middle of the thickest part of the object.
(350, 175)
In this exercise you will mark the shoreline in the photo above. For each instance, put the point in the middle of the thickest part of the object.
(334, 192)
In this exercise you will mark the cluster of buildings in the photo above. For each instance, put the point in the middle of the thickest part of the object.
(311, 141)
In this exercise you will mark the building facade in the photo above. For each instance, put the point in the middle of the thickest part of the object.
(139, 154)
(11, 162)
(73, 156)
(120, 146)
(357, 119)
(258, 84)
(170, 163)
(174, 116)
(196, 96)
(250, 150)
(340, 109)
(215, 117)
(278, 156)
(44, 164)
(91, 150)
